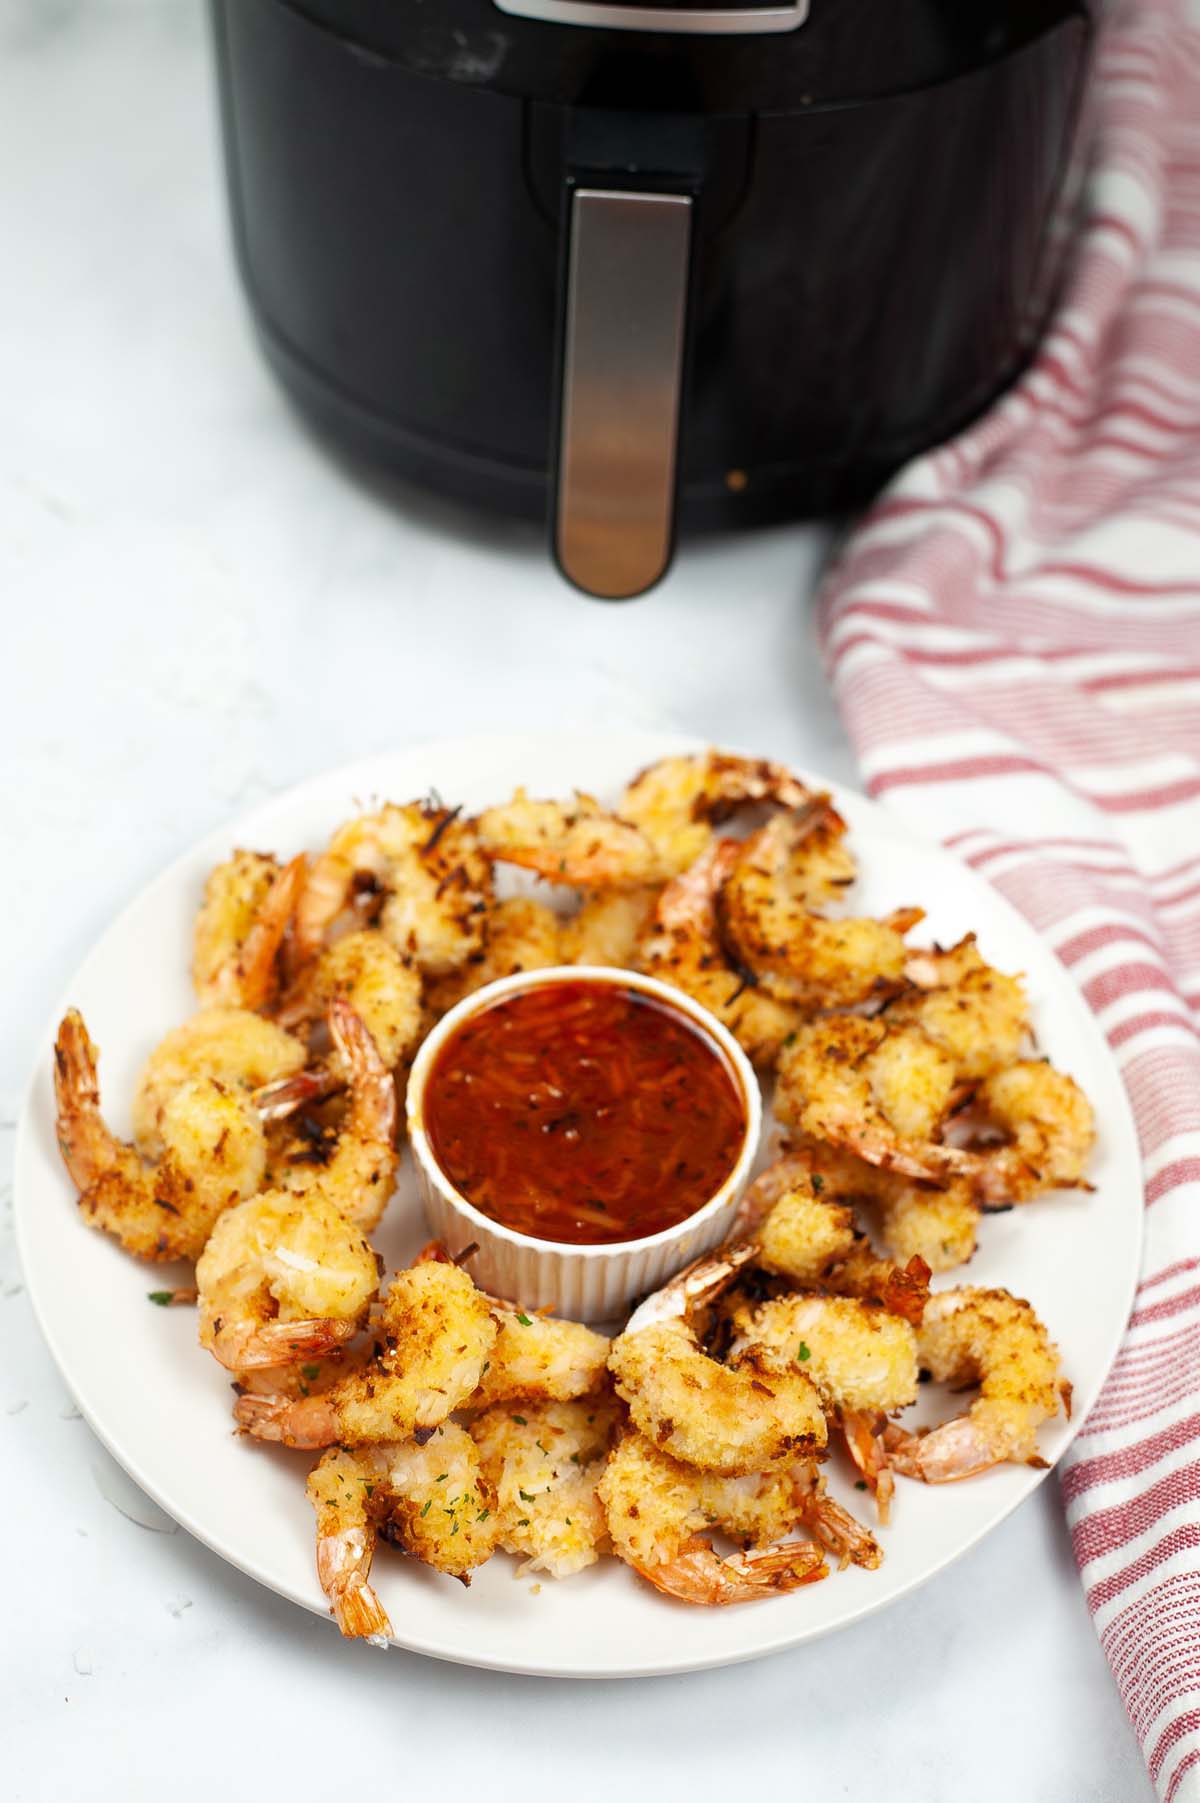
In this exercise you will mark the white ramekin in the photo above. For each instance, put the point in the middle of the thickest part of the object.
(587, 1283)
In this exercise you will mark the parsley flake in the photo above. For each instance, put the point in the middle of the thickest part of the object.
(804, 1354)
(160, 1298)
(520, 1420)
(427, 1507)
(524, 1320)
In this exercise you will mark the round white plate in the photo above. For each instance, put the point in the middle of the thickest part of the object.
(163, 1407)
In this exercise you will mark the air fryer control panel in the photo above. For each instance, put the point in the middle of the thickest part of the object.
(667, 15)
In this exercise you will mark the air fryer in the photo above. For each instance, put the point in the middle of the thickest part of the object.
(630, 268)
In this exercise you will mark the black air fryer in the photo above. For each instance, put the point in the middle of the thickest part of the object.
(621, 266)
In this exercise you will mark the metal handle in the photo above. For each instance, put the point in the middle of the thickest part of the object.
(627, 280)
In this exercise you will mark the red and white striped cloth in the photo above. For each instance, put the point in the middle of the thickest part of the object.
(1013, 635)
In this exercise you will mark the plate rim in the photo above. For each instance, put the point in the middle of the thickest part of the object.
(350, 775)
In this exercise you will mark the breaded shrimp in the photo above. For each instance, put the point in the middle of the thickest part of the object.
(214, 1154)
(237, 1047)
(569, 842)
(916, 1220)
(781, 874)
(435, 1334)
(383, 988)
(976, 1014)
(657, 1509)
(425, 864)
(609, 928)
(816, 1241)
(857, 1356)
(544, 1461)
(429, 1498)
(522, 934)
(282, 1280)
(537, 1357)
(1049, 1127)
(359, 1175)
(247, 908)
(996, 1340)
(686, 949)
(748, 1415)
(677, 801)
(879, 1092)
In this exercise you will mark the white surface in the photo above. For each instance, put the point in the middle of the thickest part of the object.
(198, 610)
(163, 1408)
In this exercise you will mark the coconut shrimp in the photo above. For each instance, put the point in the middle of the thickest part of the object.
(359, 1173)
(522, 934)
(879, 1092)
(686, 949)
(435, 1333)
(569, 842)
(997, 1341)
(934, 1223)
(419, 867)
(1049, 1129)
(609, 928)
(780, 875)
(537, 1357)
(544, 1462)
(658, 1508)
(857, 1356)
(248, 904)
(677, 801)
(976, 1014)
(382, 987)
(281, 1280)
(238, 1048)
(427, 1497)
(213, 1155)
(747, 1415)
(815, 1241)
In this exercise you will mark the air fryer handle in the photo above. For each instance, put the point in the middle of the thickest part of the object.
(624, 331)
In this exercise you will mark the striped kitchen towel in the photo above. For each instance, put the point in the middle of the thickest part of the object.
(1013, 635)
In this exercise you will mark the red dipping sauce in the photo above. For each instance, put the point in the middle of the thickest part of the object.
(584, 1112)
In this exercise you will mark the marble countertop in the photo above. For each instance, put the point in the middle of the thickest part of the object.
(200, 608)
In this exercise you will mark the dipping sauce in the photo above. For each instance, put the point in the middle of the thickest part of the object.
(584, 1112)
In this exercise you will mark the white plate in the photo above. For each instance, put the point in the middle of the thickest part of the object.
(163, 1407)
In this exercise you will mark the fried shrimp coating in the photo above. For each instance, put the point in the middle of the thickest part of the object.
(858, 1356)
(359, 1175)
(747, 1415)
(996, 1340)
(426, 865)
(686, 949)
(281, 1280)
(781, 875)
(609, 928)
(522, 934)
(435, 1334)
(935, 1223)
(248, 904)
(978, 1015)
(1050, 1130)
(544, 1463)
(678, 800)
(877, 1091)
(240, 1049)
(430, 1499)
(815, 1240)
(213, 1155)
(538, 1357)
(569, 842)
(657, 1509)
(382, 987)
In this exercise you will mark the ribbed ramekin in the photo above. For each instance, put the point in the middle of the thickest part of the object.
(587, 1283)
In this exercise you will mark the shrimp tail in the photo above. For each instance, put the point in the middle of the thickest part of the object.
(246, 1348)
(308, 1423)
(944, 1455)
(905, 1291)
(275, 1101)
(253, 976)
